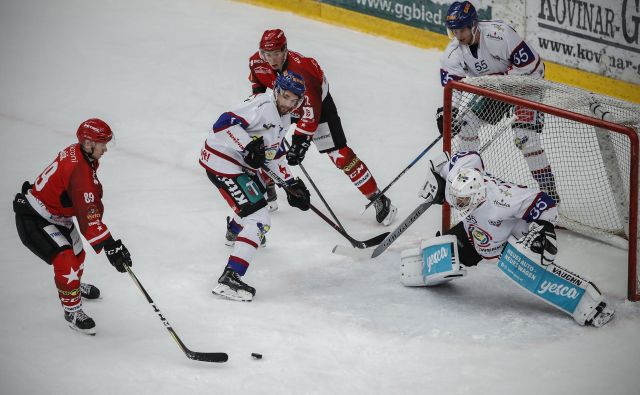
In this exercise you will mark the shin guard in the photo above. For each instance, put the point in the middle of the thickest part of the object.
(357, 171)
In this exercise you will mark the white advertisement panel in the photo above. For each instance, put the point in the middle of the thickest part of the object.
(599, 36)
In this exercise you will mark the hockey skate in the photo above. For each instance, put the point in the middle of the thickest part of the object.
(230, 237)
(89, 291)
(81, 322)
(272, 197)
(231, 286)
(603, 314)
(385, 211)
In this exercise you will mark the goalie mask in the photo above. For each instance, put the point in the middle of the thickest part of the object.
(467, 191)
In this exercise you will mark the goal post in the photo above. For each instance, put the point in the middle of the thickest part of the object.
(581, 148)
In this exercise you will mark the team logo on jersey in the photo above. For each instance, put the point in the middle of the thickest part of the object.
(481, 237)
(520, 142)
(494, 36)
(505, 192)
(262, 70)
(495, 223)
(268, 126)
(93, 213)
(501, 203)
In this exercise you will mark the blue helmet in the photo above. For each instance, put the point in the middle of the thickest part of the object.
(461, 14)
(290, 81)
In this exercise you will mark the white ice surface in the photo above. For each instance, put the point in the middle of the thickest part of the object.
(160, 72)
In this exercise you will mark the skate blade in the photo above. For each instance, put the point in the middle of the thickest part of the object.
(89, 332)
(602, 318)
(228, 293)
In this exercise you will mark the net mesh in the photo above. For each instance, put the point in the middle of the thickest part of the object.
(585, 168)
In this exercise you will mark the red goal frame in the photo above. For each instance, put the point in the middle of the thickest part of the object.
(633, 293)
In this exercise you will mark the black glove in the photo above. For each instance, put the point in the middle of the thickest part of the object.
(298, 195)
(438, 198)
(118, 255)
(255, 156)
(299, 146)
(455, 123)
(541, 239)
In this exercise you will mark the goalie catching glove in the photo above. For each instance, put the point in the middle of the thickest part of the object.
(541, 239)
(298, 195)
(299, 146)
(434, 185)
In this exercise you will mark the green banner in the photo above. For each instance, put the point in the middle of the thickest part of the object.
(423, 14)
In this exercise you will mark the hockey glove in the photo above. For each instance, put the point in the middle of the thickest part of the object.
(299, 146)
(255, 155)
(118, 255)
(541, 239)
(434, 185)
(455, 123)
(298, 195)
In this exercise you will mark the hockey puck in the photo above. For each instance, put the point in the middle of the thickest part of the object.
(256, 355)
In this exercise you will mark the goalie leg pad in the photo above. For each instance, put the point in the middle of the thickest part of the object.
(435, 262)
(561, 288)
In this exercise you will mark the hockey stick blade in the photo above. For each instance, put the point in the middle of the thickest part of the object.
(351, 252)
(374, 241)
(393, 236)
(207, 356)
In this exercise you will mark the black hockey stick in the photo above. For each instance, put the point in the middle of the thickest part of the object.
(316, 189)
(377, 195)
(374, 241)
(198, 356)
(401, 228)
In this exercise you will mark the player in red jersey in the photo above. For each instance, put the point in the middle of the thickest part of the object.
(318, 119)
(67, 188)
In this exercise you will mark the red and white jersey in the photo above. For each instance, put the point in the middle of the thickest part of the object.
(508, 209)
(223, 150)
(70, 187)
(500, 50)
(262, 76)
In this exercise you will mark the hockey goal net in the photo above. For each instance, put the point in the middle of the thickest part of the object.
(580, 147)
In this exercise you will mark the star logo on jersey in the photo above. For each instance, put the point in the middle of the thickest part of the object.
(72, 276)
(335, 155)
(283, 171)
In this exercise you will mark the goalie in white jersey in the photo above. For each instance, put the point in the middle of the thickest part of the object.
(499, 220)
(483, 48)
(241, 142)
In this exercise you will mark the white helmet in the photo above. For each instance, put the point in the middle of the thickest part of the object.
(467, 191)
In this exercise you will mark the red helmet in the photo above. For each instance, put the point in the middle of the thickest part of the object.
(273, 40)
(94, 129)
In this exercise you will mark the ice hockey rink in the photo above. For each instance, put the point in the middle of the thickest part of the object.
(160, 73)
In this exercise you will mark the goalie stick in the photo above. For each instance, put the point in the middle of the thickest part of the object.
(418, 211)
(374, 241)
(198, 356)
